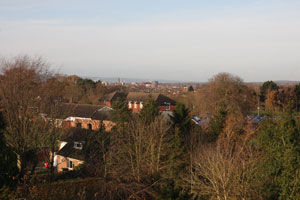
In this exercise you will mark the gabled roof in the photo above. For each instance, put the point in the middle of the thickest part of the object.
(141, 96)
(85, 110)
(69, 151)
(77, 110)
(114, 96)
(102, 114)
(160, 99)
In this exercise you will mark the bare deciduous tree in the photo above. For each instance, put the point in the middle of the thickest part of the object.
(224, 170)
(24, 94)
(147, 146)
(270, 101)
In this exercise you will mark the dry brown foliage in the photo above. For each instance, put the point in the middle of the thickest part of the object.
(142, 149)
(26, 90)
(225, 170)
(225, 89)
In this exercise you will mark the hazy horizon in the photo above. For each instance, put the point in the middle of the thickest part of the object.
(133, 79)
(171, 40)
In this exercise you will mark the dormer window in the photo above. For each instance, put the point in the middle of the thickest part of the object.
(78, 145)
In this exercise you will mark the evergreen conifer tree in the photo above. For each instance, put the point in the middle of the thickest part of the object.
(217, 125)
(267, 86)
(191, 89)
(120, 113)
(181, 119)
(181, 122)
(279, 138)
(8, 160)
(96, 150)
(150, 111)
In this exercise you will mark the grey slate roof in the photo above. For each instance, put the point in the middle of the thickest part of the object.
(69, 151)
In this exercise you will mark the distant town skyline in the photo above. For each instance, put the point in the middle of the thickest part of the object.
(189, 40)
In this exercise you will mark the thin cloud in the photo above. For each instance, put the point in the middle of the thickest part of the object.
(171, 49)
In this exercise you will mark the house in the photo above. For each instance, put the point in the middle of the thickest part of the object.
(70, 156)
(111, 97)
(137, 100)
(80, 120)
(71, 149)
(84, 116)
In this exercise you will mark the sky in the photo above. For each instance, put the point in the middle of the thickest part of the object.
(190, 40)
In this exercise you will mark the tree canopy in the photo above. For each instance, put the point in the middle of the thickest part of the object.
(266, 87)
(8, 159)
(280, 140)
(25, 91)
(120, 113)
(297, 94)
(149, 111)
(191, 89)
(225, 90)
(181, 118)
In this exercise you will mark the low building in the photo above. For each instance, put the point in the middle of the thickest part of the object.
(137, 100)
(71, 149)
(84, 116)
(70, 156)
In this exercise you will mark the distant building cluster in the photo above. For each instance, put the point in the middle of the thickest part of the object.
(136, 100)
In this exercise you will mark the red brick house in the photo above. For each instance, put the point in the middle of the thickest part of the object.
(69, 156)
(84, 116)
(137, 100)
(79, 120)
(71, 149)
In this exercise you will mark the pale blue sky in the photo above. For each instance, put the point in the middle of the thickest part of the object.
(187, 40)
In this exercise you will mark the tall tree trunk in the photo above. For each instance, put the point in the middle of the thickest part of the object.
(22, 166)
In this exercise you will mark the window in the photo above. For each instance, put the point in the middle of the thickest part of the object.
(70, 164)
(78, 125)
(129, 104)
(64, 169)
(141, 105)
(78, 145)
(90, 126)
(135, 104)
(167, 106)
(58, 123)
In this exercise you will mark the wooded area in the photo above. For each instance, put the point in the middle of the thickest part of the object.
(146, 156)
